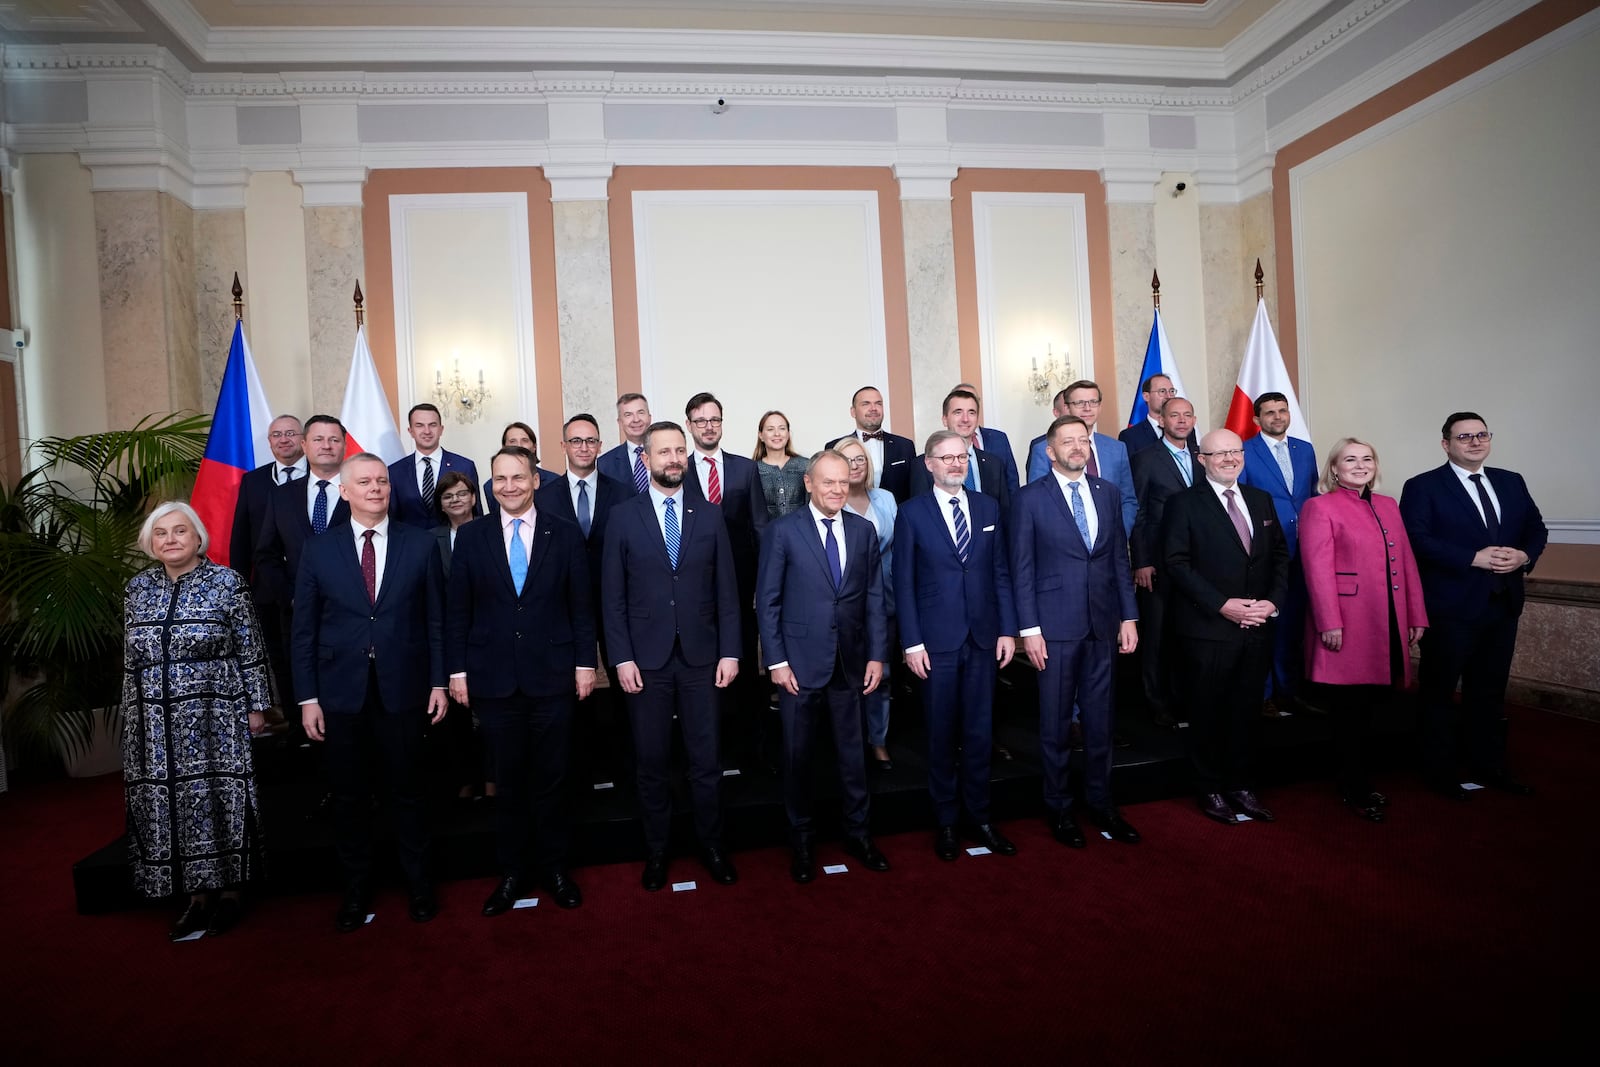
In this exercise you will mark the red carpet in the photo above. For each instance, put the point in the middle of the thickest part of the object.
(1454, 933)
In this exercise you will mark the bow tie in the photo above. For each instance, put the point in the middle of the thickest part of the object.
(873, 435)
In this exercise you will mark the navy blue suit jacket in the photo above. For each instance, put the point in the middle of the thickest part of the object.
(1068, 590)
(807, 623)
(899, 453)
(1142, 435)
(1446, 531)
(283, 536)
(990, 476)
(1262, 471)
(940, 601)
(646, 604)
(998, 445)
(618, 463)
(335, 625)
(555, 496)
(1155, 478)
(530, 643)
(744, 512)
(249, 512)
(1111, 455)
(405, 499)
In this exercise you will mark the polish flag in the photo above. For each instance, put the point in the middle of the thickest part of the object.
(368, 421)
(236, 445)
(1263, 372)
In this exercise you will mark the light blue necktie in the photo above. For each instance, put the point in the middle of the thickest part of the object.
(1080, 516)
(1185, 465)
(518, 558)
(963, 535)
(1281, 450)
(672, 532)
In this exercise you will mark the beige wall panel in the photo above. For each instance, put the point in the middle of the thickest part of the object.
(1184, 306)
(1133, 257)
(276, 318)
(219, 251)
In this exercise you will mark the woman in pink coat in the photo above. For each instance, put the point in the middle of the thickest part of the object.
(1366, 608)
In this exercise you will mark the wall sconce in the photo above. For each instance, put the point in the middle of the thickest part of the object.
(456, 398)
(1050, 379)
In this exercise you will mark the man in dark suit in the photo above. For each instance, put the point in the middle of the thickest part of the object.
(1475, 531)
(413, 478)
(958, 625)
(1156, 390)
(250, 511)
(1170, 467)
(892, 455)
(1227, 569)
(995, 442)
(368, 673)
(1108, 457)
(520, 642)
(670, 604)
(626, 462)
(1286, 467)
(984, 473)
(1076, 610)
(825, 635)
(295, 512)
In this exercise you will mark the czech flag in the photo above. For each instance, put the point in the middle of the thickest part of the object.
(236, 445)
(368, 422)
(1157, 360)
(1263, 372)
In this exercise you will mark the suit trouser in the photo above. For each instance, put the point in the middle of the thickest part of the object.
(1154, 664)
(1288, 648)
(1081, 673)
(692, 693)
(1222, 687)
(875, 705)
(392, 740)
(1476, 651)
(840, 700)
(958, 696)
(530, 741)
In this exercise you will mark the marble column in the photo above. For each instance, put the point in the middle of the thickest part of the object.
(1133, 258)
(334, 263)
(930, 309)
(218, 253)
(1231, 237)
(583, 306)
(145, 246)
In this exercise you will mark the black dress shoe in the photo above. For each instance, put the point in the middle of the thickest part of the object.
(1448, 789)
(944, 843)
(1064, 828)
(1213, 806)
(353, 909)
(1369, 812)
(655, 872)
(1166, 720)
(226, 916)
(1506, 784)
(1111, 821)
(565, 891)
(422, 905)
(1246, 801)
(194, 918)
(1001, 753)
(803, 867)
(719, 866)
(993, 840)
(504, 897)
(864, 850)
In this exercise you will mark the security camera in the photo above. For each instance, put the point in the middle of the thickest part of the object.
(719, 107)
(19, 337)
(1180, 187)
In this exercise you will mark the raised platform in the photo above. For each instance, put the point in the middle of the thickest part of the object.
(299, 838)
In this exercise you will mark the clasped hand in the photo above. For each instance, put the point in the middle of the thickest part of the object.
(1248, 613)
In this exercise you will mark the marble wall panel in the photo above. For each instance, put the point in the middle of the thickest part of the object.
(931, 310)
(1559, 644)
(1230, 299)
(218, 252)
(181, 326)
(583, 303)
(1133, 258)
(132, 305)
(334, 263)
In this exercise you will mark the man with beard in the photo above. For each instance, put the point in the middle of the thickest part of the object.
(891, 454)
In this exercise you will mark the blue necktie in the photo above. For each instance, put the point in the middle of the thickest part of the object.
(641, 477)
(972, 471)
(319, 510)
(830, 548)
(1185, 466)
(963, 535)
(1080, 516)
(672, 532)
(585, 520)
(517, 557)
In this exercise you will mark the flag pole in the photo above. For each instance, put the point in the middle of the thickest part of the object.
(1260, 275)
(361, 311)
(1155, 289)
(238, 299)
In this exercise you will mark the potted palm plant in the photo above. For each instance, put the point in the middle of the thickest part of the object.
(68, 545)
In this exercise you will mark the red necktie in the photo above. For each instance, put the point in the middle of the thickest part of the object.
(369, 566)
(1094, 468)
(713, 483)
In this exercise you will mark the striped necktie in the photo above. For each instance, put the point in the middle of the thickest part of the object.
(963, 534)
(671, 525)
(641, 476)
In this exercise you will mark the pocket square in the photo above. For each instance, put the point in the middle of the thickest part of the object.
(897, 463)
(988, 529)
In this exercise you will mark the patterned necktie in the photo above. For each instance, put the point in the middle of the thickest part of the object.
(1281, 450)
(517, 557)
(713, 483)
(963, 535)
(369, 566)
(1241, 525)
(641, 476)
(319, 510)
(830, 548)
(872, 435)
(427, 482)
(1080, 516)
(585, 519)
(1093, 468)
(1490, 519)
(672, 532)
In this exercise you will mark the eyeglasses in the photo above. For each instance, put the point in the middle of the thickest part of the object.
(1469, 438)
(461, 496)
(856, 461)
(282, 434)
(1084, 403)
(584, 442)
(1226, 453)
(958, 460)
(1163, 392)
(701, 424)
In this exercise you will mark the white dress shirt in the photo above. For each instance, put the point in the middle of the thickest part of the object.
(311, 494)
(1472, 490)
(702, 467)
(297, 469)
